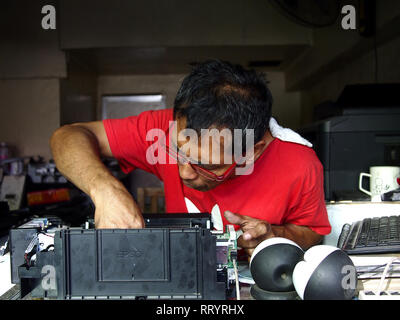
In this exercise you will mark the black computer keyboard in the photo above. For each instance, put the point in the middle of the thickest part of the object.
(371, 235)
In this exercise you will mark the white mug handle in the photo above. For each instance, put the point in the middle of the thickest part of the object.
(362, 175)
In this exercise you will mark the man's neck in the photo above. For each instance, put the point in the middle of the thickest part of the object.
(268, 138)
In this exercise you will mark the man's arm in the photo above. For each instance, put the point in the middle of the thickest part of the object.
(256, 231)
(302, 235)
(77, 151)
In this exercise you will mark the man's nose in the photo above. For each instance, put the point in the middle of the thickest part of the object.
(187, 172)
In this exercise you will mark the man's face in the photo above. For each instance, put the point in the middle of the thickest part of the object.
(215, 157)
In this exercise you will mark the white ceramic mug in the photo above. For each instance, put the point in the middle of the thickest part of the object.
(382, 179)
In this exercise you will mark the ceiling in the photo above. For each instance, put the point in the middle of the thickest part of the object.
(175, 60)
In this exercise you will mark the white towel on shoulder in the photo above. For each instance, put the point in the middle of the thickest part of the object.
(286, 134)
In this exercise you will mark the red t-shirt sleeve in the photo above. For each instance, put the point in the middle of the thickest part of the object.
(127, 138)
(309, 207)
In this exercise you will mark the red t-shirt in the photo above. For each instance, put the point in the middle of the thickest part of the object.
(286, 185)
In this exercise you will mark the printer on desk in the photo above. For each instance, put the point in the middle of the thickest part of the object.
(360, 130)
(177, 256)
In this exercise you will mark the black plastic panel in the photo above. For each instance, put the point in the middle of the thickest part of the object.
(125, 263)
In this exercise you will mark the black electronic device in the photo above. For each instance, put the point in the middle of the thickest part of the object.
(325, 273)
(283, 271)
(21, 237)
(359, 131)
(371, 235)
(178, 220)
(175, 257)
(271, 266)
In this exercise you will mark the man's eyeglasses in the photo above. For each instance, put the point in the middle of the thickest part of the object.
(182, 159)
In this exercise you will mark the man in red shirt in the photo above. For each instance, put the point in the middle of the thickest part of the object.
(274, 188)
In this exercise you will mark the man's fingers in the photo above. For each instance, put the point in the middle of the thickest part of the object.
(249, 253)
(254, 235)
(252, 228)
(233, 218)
(245, 244)
(255, 232)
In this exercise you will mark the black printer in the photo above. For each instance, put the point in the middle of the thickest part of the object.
(360, 130)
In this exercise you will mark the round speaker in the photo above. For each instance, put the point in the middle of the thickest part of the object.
(260, 294)
(327, 273)
(273, 262)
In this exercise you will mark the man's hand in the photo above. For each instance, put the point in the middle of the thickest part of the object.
(254, 230)
(116, 209)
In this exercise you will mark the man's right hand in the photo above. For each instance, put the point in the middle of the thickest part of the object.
(116, 209)
(77, 151)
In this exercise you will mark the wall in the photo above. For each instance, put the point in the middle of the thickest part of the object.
(334, 47)
(78, 93)
(31, 65)
(361, 70)
(27, 50)
(339, 57)
(287, 105)
(29, 113)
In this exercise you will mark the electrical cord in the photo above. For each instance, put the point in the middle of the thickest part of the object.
(376, 270)
(236, 279)
(380, 287)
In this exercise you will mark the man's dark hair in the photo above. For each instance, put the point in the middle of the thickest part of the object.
(224, 95)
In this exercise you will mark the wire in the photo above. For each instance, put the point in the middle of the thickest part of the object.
(32, 244)
(376, 268)
(46, 234)
(48, 248)
(236, 279)
(378, 292)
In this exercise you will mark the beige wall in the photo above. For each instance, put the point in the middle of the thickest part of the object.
(29, 113)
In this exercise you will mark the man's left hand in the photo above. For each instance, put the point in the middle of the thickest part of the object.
(254, 230)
